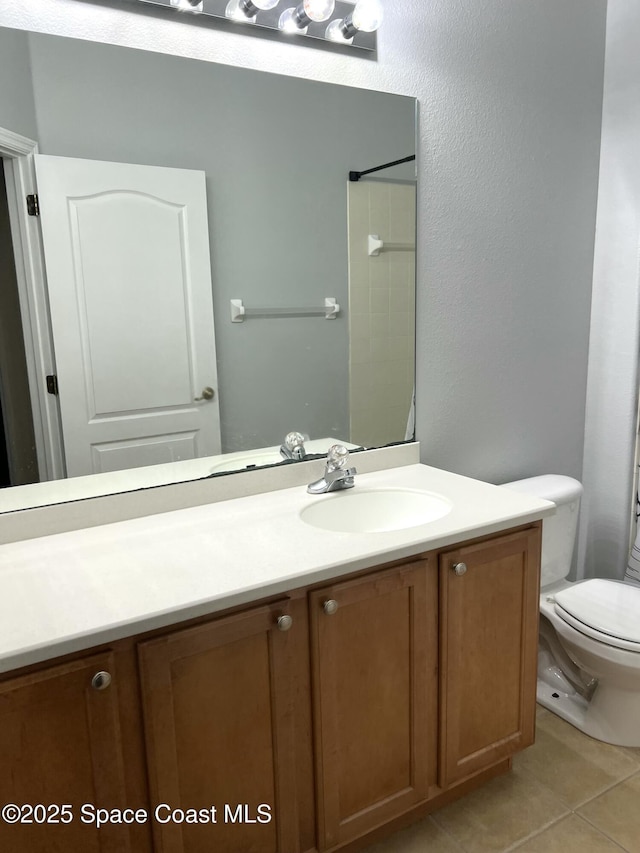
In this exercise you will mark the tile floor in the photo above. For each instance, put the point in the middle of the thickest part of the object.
(566, 794)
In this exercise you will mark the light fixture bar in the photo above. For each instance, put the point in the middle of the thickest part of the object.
(264, 19)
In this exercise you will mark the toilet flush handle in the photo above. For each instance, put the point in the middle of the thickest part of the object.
(460, 568)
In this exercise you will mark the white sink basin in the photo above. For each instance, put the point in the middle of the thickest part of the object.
(375, 510)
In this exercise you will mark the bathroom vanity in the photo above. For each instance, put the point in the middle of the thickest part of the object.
(284, 688)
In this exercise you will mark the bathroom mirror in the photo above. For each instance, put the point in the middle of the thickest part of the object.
(287, 231)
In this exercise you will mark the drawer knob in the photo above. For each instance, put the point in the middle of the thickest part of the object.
(284, 623)
(330, 606)
(101, 680)
(460, 569)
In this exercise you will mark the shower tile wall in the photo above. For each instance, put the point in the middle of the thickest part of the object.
(381, 312)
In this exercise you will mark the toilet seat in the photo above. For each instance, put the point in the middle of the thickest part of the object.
(606, 610)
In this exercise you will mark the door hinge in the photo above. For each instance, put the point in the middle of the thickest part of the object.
(33, 205)
(52, 385)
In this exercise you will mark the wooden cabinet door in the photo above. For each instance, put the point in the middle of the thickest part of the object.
(489, 639)
(219, 726)
(374, 665)
(60, 745)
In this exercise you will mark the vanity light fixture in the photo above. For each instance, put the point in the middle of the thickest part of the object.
(188, 5)
(350, 24)
(297, 18)
(246, 10)
(366, 17)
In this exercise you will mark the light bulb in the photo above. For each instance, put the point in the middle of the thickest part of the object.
(367, 15)
(318, 10)
(187, 5)
(288, 22)
(246, 10)
(335, 32)
(297, 20)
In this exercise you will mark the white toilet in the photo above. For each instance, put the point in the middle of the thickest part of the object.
(589, 652)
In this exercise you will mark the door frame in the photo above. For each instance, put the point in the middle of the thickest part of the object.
(18, 153)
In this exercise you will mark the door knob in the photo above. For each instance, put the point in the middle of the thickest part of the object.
(207, 394)
(330, 607)
(460, 569)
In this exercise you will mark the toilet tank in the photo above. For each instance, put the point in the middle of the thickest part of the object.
(559, 530)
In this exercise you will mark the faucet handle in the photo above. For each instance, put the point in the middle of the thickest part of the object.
(293, 440)
(336, 473)
(337, 457)
(293, 447)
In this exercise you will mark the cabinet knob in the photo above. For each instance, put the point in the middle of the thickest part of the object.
(460, 568)
(330, 607)
(101, 680)
(284, 623)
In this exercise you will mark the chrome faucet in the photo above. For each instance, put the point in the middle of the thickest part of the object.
(336, 473)
(293, 447)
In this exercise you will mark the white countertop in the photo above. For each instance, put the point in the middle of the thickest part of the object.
(71, 591)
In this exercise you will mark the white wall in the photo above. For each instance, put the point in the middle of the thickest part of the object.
(612, 399)
(510, 96)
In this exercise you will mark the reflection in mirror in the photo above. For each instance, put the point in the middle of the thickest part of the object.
(170, 188)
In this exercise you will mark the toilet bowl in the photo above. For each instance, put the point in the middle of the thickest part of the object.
(589, 650)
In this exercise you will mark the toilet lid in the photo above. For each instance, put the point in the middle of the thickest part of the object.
(609, 607)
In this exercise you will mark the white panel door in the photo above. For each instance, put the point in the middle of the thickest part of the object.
(129, 278)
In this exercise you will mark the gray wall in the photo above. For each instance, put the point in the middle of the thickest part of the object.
(17, 111)
(277, 152)
(508, 227)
